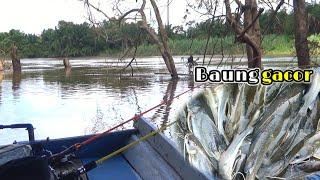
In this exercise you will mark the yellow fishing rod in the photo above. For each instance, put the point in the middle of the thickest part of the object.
(93, 164)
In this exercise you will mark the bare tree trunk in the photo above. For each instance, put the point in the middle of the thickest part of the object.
(301, 33)
(162, 43)
(155, 38)
(251, 11)
(67, 67)
(1, 65)
(15, 60)
(1, 79)
(166, 54)
(66, 63)
(252, 41)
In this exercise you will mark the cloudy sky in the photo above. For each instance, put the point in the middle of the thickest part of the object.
(32, 16)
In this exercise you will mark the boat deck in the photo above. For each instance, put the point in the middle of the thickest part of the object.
(115, 168)
(156, 158)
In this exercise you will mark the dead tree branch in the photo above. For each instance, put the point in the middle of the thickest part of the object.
(273, 15)
(161, 41)
(251, 24)
(245, 38)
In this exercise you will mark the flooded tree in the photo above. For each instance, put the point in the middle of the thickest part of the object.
(16, 81)
(66, 63)
(243, 21)
(301, 33)
(1, 65)
(67, 67)
(14, 57)
(250, 34)
(160, 38)
(1, 77)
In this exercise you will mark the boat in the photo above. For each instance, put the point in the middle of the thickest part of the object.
(154, 158)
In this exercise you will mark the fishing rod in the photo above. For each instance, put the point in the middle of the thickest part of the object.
(93, 164)
(77, 146)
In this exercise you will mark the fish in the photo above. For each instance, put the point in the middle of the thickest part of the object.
(211, 100)
(239, 164)
(275, 143)
(286, 92)
(180, 129)
(257, 131)
(182, 119)
(262, 141)
(293, 105)
(271, 92)
(270, 169)
(289, 155)
(223, 93)
(197, 157)
(312, 144)
(227, 160)
(237, 112)
(312, 94)
(293, 143)
(203, 128)
(256, 106)
(310, 148)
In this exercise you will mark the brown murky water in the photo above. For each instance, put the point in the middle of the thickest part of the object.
(92, 97)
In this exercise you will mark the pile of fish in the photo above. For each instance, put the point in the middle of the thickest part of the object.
(237, 131)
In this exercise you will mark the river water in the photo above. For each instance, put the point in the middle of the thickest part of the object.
(92, 97)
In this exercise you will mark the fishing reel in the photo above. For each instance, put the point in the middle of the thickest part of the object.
(68, 167)
(77, 174)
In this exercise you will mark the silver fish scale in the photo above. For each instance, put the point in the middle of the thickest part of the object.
(282, 118)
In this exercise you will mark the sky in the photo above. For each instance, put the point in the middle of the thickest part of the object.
(33, 16)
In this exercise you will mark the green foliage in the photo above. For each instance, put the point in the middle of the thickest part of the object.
(200, 30)
(70, 40)
(314, 44)
(278, 45)
(282, 23)
(273, 45)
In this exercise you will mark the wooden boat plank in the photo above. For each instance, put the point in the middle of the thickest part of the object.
(148, 163)
(165, 147)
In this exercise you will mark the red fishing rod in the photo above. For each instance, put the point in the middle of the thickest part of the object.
(77, 146)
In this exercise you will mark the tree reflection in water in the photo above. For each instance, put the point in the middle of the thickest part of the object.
(1, 79)
(164, 109)
(68, 72)
(162, 113)
(16, 81)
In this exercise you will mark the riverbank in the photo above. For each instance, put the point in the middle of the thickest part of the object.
(273, 45)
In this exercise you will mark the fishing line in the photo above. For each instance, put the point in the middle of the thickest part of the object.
(93, 164)
(77, 146)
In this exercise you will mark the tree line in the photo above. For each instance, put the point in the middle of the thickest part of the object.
(74, 40)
